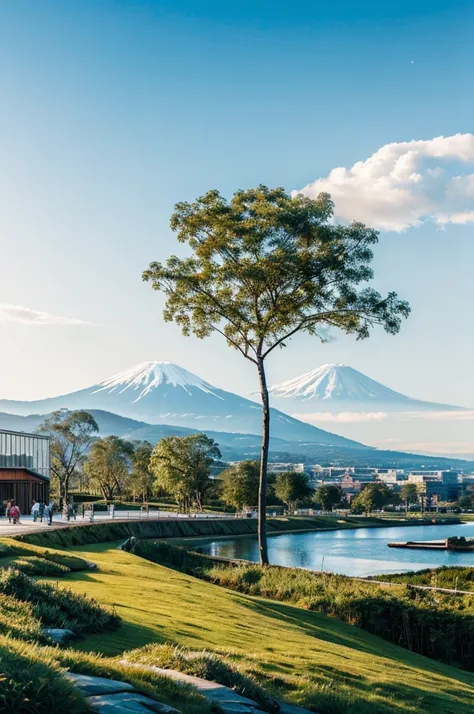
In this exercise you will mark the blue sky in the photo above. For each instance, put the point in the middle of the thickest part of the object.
(114, 111)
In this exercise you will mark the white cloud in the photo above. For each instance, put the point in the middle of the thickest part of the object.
(404, 184)
(342, 417)
(427, 447)
(17, 313)
(461, 415)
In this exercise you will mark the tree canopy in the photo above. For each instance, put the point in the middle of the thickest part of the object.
(182, 466)
(72, 434)
(240, 484)
(328, 496)
(265, 266)
(373, 497)
(292, 487)
(109, 464)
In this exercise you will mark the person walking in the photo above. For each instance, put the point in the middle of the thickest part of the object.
(15, 515)
(50, 513)
(9, 511)
(41, 511)
(35, 511)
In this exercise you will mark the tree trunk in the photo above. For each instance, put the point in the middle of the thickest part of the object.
(262, 491)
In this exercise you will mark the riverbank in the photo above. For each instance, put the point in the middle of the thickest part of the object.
(80, 533)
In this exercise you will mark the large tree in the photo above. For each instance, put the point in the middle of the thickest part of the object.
(72, 434)
(182, 467)
(292, 487)
(109, 464)
(263, 267)
(240, 484)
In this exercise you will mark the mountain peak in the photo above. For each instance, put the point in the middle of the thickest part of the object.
(147, 376)
(334, 382)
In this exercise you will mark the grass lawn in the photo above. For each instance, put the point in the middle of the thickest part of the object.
(312, 659)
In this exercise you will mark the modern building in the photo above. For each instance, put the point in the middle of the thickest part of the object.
(438, 485)
(24, 468)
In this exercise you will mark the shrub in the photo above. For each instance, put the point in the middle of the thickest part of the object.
(12, 547)
(6, 550)
(33, 565)
(57, 607)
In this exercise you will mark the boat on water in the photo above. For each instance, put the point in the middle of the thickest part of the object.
(456, 543)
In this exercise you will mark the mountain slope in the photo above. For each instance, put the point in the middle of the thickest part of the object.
(235, 447)
(337, 387)
(163, 393)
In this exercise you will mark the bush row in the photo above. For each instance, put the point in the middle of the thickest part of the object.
(57, 607)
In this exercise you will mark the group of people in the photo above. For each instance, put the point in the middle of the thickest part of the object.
(39, 510)
(43, 511)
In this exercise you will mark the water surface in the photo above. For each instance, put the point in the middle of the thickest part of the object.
(359, 552)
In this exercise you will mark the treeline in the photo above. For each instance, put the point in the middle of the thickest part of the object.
(181, 470)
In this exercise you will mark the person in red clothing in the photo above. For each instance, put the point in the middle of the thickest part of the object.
(15, 514)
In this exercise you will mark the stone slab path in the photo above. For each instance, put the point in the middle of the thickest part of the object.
(110, 696)
(230, 701)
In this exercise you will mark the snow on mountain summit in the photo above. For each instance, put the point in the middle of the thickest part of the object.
(147, 376)
(335, 382)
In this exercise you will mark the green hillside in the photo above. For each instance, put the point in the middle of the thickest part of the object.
(308, 658)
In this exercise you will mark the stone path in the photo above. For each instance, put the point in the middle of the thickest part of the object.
(109, 696)
(229, 701)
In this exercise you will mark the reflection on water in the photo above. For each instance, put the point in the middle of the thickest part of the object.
(350, 552)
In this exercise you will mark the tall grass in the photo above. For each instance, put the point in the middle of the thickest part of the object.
(31, 682)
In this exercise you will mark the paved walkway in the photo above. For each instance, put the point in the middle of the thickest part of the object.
(27, 525)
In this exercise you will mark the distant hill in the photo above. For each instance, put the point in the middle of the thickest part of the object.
(235, 447)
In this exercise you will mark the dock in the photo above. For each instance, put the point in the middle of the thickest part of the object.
(454, 543)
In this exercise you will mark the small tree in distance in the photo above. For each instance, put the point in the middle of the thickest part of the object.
(142, 475)
(240, 484)
(328, 496)
(373, 497)
(265, 266)
(292, 487)
(409, 494)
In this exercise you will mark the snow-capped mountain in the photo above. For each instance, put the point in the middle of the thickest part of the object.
(338, 387)
(164, 393)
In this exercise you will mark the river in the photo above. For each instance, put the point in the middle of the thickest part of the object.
(358, 552)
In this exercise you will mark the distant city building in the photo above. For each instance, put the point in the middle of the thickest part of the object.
(24, 468)
(281, 468)
(438, 485)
